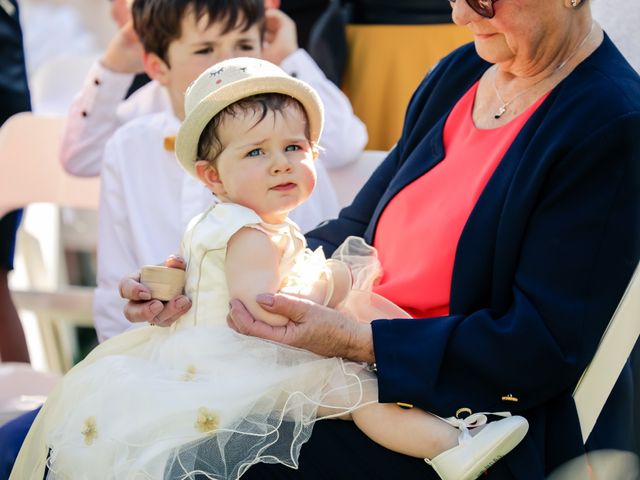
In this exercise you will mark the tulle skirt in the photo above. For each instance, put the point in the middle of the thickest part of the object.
(204, 400)
(201, 400)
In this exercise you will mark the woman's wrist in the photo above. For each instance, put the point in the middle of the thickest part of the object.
(360, 344)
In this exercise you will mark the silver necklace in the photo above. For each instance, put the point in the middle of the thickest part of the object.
(503, 107)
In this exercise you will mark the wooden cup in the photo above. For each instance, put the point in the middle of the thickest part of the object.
(164, 282)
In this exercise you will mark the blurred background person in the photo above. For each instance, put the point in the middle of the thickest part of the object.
(14, 98)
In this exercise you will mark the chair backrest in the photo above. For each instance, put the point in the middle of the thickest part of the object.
(32, 173)
(56, 82)
(29, 158)
(348, 180)
(616, 344)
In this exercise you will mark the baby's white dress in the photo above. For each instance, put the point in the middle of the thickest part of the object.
(198, 397)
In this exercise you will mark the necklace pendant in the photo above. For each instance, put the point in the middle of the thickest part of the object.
(501, 111)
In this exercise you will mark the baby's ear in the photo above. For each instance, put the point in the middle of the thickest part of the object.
(208, 174)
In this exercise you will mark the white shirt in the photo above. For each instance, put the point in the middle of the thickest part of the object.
(146, 202)
(98, 111)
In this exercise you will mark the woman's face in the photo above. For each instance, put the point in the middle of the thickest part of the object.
(522, 34)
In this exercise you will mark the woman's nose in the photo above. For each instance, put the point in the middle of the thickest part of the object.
(462, 14)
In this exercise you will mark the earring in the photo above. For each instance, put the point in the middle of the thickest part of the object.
(574, 3)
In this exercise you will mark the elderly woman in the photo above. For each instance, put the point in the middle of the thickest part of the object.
(507, 222)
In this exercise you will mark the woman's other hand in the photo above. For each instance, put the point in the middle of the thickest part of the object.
(142, 308)
(311, 326)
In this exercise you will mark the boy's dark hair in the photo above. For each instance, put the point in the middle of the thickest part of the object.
(209, 145)
(159, 22)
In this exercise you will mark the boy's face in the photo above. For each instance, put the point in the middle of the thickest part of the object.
(200, 46)
(268, 167)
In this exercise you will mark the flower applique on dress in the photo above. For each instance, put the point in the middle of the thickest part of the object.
(89, 431)
(207, 421)
(189, 374)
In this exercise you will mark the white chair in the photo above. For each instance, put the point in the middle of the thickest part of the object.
(56, 82)
(22, 389)
(29, 146)
(348, 180)
(615, 347)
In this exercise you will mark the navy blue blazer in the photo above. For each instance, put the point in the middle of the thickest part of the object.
(541, 264)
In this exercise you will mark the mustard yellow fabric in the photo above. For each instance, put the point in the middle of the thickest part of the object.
(385, 65)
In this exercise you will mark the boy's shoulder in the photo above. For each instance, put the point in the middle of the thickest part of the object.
(150, 98)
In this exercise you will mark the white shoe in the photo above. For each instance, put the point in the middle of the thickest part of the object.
(475, 454)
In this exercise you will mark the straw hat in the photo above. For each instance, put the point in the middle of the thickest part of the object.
(229, 81)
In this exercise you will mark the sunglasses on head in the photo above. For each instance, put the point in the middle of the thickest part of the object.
(483, 8)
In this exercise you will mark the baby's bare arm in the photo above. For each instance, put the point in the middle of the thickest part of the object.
(342, 281)
(252, 267)
(329, 288)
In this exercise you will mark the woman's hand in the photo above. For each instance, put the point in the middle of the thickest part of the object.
(142, 308)
(311, 326)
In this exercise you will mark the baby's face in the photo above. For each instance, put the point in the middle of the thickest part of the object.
(268, 166)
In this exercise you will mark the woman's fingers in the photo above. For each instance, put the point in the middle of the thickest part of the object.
(142, 308)
(292, 307)
(240, 320)
(162, 314)
(131, 289)
(137, 312)
(171, 311)
(322, 330)
(175, 261)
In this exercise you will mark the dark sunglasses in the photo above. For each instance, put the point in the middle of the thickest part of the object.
(483, 8)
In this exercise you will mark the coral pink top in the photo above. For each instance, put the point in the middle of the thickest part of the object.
(431, 212)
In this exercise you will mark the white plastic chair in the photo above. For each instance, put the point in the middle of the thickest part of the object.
(56, 82)
(22, 389)
(29, 146)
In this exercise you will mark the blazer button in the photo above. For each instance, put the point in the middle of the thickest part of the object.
(466, 411)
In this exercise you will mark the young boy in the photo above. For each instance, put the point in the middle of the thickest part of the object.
(99, 108)
(146, 200)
